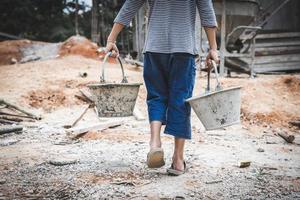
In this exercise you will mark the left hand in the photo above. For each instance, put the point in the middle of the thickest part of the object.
(212, 55)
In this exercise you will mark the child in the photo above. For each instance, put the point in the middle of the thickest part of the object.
(169, 68)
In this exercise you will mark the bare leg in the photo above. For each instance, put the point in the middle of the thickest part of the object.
(178, 154)
(155, 141)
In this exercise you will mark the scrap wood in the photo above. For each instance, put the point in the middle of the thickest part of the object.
(3, 106)
(4, 121)
(2, 101)
(15, 115)
(244, 163)
(74, 122)
(295, 123)
(214, 181)
(129, 183)
(83, 98)
(134, 62)
(76, 132)
(286, 137)
(10, 128)
(16, 119)
(87, 95)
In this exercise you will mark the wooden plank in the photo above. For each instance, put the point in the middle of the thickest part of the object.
(10, 128)
(286, 137)
(15, 115)
(76, 132)
(2, 101)
(87, 94)
(278, 43)
(274, 59)
(10, 118)
(78, 117)
(278, 35)
(134, 62)
(271, 67)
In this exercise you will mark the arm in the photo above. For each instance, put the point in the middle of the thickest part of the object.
(213, 53)
(124, 17)
(209, 22)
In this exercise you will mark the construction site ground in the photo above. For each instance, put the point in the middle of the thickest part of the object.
(111, 163)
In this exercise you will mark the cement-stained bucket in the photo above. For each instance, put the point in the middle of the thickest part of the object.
(114, 99)
(219, 108)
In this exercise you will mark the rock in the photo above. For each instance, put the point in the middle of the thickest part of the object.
(13, 60)
(62, 161)
(2, 181)
(260, 150)
(244, 163)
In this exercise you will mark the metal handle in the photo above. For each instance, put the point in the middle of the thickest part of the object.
(218, 87)
(102, 77)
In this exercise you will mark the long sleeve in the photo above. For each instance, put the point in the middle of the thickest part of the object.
(207, 13)
(128, 10)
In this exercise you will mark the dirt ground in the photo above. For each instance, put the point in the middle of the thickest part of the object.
(111, 164)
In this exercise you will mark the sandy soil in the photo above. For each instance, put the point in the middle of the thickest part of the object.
(111, 164)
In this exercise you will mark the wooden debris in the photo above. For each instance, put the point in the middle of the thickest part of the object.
(286, 137)
(134, 62)
(244, 163)
(127, 183)
(2, 106)
(83, 98)
(212, 182)
(62, 161)
(2, 101)
(87, 94)
(74, 122)
(138, 114)
(4, 121)
(10, 128)
(15, 119)
(76, 132)
(15, 115)
(295, 123)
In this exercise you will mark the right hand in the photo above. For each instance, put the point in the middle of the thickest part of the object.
(111, 46)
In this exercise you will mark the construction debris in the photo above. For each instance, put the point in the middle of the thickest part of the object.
(61, 161)
(295, 123)
(10, 128)
(76, 132)
(2, 101)
(244, 164)
(288, 138)
(77, 118)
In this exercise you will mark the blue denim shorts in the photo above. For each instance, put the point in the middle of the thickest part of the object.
(169, 80)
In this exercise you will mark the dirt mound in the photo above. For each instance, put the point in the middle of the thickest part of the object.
(46, 99)
(11, 51)
(79, 45)
(269, 102)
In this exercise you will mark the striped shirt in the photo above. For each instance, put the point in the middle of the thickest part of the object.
(171, 23)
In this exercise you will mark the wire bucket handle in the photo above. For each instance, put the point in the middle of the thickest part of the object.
(218, 87)
(102, 77)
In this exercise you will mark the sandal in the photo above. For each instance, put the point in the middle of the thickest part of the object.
(174, 172)
(155, 158)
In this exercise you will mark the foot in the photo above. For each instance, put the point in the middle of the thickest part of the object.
(172, 171)
(178, 164)
(155, 158)
(155, 144)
